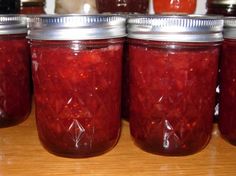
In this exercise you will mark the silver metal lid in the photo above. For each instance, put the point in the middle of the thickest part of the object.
(182, 28)
(230, 27)
(76, 27)
(12, 24)
(222, 2)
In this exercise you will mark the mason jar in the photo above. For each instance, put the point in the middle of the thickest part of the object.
(179, 6)
(122, 6)
(221, 7)
(77, 63)
(15, 94)
(32, 7)
(173, 65)
(9, 6)
(75, 6)
(227, 120)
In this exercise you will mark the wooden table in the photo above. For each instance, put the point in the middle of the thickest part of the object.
(22, 155)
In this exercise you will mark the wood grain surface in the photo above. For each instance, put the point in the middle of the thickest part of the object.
(21, 154)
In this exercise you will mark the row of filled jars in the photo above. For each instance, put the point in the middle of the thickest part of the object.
(169, 66)
(223, 7)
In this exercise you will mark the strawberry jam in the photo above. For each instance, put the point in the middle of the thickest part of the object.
(122, 6)
(77, 64)
(227, 121)
(77, 94)
(172, 93)
(173, 66)
(15, 92)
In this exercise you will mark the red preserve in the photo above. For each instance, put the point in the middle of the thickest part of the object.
(173, 62)
(32, 7)
(15, 94)
(227, 121)
(77, 63)
(122, 6)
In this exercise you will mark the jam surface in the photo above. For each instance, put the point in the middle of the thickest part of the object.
(129, 6)
(227, 121)
(172, 95)
(170, 6)
(15, 93)
(77, 94)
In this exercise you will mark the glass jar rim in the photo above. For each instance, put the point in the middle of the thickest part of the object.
(13, 24)
(183, 28)
(230, 27)
(76, 27)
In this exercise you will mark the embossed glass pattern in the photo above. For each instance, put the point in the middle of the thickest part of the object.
(77, 93)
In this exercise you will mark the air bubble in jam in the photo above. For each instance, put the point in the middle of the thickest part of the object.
(172, 95)
(78, 105)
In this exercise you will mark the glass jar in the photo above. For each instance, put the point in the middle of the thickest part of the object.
(32, 7)
(9, 6)
(221, 7)
(15, 94)
(227, 120)
(176, 6)
(128, 6)
(173, 63)
(74, 6)
(80, 116)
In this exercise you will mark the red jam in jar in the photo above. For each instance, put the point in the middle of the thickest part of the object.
(175, 6)
(15, 94)
(172, 84)
(32, 7)
(78, 84)
(127, 6)
(227, 120)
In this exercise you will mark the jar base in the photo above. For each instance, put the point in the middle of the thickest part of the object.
(171, 153)
(228, 139)
(96, 151)
(8, 122)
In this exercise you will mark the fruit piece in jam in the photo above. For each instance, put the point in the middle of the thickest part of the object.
(227, 120)
(77, 93)
(172, 95)
(15, 93)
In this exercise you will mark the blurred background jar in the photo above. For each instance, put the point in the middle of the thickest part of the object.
(75, 6)
(128, 6)
(221, 7)
(174, 6)
(32, 7)
(15, 93)
(9, 6)
(227, 120)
